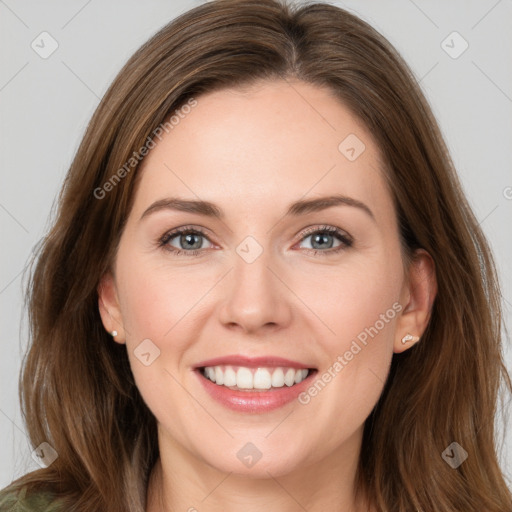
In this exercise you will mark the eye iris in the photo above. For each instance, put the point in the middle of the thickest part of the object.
(321, 236)
(185, 239)
(320, 240)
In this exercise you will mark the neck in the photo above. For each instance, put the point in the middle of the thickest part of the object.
(181, 481)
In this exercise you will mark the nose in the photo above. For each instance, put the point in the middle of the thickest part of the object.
(256, 297)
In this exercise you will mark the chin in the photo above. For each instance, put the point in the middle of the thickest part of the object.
(256, 463)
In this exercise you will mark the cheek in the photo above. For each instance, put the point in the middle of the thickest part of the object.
(156, 299)
(154, 306)
(161, 304)
(358, 307)
(356, 300)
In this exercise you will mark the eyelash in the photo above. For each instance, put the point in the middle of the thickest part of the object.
(340, 235)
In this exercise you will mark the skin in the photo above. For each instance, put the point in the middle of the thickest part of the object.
(252, 153)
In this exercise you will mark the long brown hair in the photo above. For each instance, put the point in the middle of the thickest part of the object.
(76, 388)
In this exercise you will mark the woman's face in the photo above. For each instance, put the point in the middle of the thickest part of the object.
(262, 293)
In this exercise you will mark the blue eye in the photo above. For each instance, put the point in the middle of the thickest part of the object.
(322, 237)
(191, 240)
(187, 237)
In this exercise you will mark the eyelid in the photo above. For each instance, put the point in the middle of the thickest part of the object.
(323, 228)
(185, 229)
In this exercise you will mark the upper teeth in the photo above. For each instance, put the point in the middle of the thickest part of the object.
(254, 378)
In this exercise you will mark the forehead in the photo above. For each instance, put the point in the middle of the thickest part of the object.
(264, 147)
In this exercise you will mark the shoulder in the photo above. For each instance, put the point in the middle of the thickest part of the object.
(19, 501)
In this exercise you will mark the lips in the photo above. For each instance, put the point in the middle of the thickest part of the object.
(253, 385)
(252, 362)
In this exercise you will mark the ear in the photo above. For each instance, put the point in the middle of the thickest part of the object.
(417, 296)
(110, 310)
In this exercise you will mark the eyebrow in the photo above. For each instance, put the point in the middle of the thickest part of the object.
(301, 207)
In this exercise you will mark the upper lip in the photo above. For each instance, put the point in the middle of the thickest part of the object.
(252, 362)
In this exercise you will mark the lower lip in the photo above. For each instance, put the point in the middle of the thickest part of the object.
(254, 401)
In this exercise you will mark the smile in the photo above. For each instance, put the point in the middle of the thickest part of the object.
(253, 385)
(240, 378)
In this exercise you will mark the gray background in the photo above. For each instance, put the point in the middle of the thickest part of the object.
(46, 103)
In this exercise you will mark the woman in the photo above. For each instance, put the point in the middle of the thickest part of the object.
(253, 369)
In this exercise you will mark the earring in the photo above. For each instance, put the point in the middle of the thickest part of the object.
(409, 337)
(113, 333)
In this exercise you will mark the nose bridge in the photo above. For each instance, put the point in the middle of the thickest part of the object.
(256, 297)
(251, 266)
